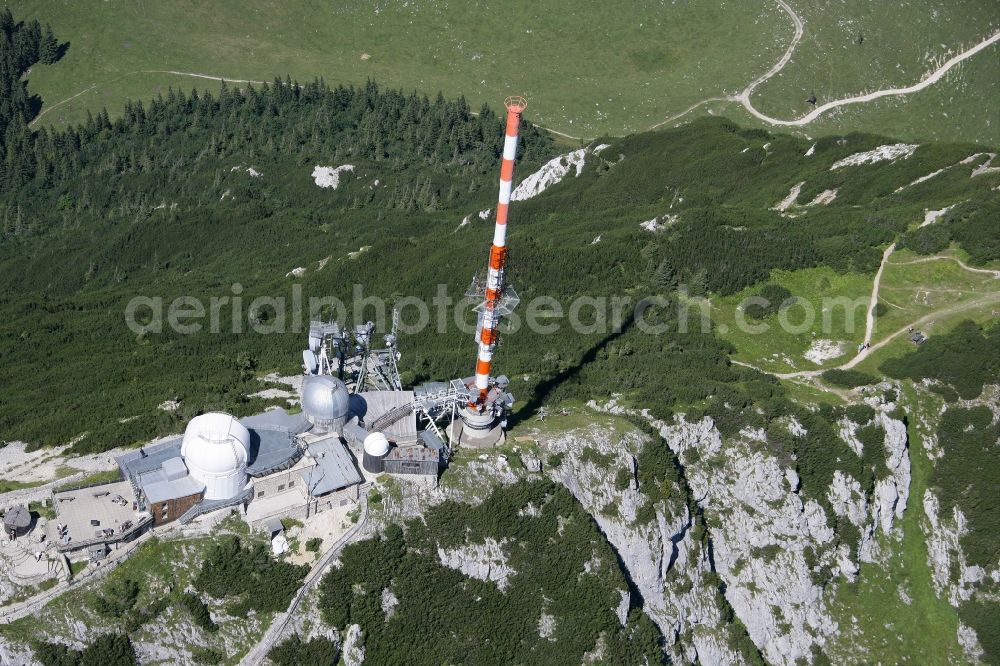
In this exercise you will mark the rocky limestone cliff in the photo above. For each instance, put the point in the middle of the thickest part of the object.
(760, 529)
(662, 559)
(891, 492)
(15, 654)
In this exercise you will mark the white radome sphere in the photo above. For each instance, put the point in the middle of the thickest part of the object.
(215, 449)
(376, 445)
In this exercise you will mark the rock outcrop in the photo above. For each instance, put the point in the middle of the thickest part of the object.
(969, 642)
(945, 555)
(664, 562)
(760, 531)
(15, 654)
(485, 561)
(893, 492)
(354, 648)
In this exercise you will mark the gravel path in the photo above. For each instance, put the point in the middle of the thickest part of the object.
(743, 97)
(258, 653)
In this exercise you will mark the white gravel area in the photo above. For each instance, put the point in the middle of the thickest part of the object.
(329, 526)
(823, 350)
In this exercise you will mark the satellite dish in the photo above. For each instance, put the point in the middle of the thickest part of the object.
(309, 361)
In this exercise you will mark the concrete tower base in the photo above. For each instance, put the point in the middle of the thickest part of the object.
(464, 434)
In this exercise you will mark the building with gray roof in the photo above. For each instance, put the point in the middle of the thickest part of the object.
(164, 485)
(334, 468)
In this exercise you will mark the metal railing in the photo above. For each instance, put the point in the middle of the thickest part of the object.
(126, 535)
(206, 506)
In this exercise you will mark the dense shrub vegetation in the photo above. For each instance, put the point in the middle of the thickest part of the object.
(249, 576)
(547, 550)
(965, 359)
(119, 597)
(984, 617)
(295, 652)
(105, 650)
(119, 601)
(769, 300)
(159, 202)
(200, 614)
(848, 378)
(970, 224)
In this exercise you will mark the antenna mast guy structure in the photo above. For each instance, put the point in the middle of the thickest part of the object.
(483, 418)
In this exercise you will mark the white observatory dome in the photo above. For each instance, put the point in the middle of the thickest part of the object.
(376, 449)
(215, 448)
(376, 445)
(325, 401)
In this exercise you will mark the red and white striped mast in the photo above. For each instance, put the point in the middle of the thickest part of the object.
(498, 298)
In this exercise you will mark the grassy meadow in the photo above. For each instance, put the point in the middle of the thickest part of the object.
(892, 53)
(781, 349)
(588, 69)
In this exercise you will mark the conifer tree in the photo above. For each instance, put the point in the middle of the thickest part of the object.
(48, 49)
(665, 277)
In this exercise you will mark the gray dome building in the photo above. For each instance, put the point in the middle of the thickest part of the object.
(325, 402)
(17, 521)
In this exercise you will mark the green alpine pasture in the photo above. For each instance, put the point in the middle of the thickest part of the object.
(588, 69)
(827, 306)
(850, 48)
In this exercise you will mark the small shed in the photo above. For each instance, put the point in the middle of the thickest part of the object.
(273, 527)
(17, 521)
(276, 533)
(917, 338)
(413, 460)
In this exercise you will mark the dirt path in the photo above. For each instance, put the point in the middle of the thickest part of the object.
(58, 104)
(985, 271)
(196, 75)
(932, 78)
(689, 110)
(865, 353)
(873, 301)
(870, 317)
(743, 97)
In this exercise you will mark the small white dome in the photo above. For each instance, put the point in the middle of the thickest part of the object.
(325, 400)
(376, 445)
(215, 448)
